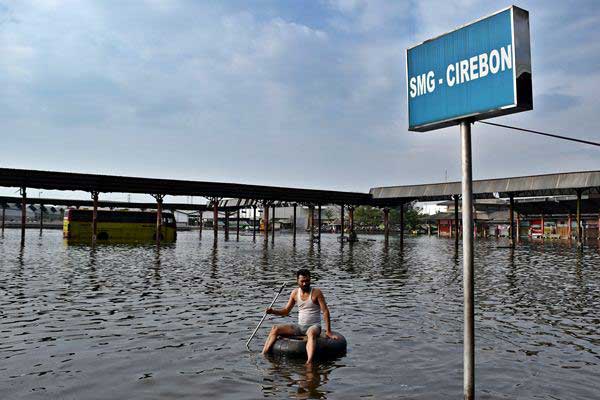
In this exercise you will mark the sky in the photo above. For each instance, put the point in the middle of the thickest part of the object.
(305, 94)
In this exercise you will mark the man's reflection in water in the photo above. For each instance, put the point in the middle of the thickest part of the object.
(306, 382)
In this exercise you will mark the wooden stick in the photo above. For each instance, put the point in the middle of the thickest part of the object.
(264, 316)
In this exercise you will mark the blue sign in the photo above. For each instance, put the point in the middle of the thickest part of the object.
(478, 71)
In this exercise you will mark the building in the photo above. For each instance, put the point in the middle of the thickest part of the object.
(556, 214)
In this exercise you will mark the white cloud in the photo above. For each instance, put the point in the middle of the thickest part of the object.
(232, 92)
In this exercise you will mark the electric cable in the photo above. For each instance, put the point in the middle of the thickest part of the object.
(542, 133)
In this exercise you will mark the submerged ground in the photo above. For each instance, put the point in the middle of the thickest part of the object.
(123, 321)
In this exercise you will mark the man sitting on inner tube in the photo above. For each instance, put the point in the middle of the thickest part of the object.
(311, 303)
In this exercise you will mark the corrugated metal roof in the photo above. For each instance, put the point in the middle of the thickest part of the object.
(4, 200)
(51, 180)
(523, 186)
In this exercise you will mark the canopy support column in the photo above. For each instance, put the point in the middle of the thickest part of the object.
(215, 201)
(311, 222)
(386, 224)
(94, 217)
(237, 226)
(254, 222)
(3, 217)
(266, 220)
(402, 225)
(159, 203)
(41, 218)
(512, 220)
(456, 222)
(226, 225)
(319, 221)
(23, 213)
(294, 223)
(273, 226)
(543, 226)
(579, 230)
(351, 233)
(200, 225)
(342, 221)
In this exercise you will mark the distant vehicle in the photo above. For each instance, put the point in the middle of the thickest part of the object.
(118, 225)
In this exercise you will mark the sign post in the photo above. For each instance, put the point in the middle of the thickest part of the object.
(468, 275)
(478, 71)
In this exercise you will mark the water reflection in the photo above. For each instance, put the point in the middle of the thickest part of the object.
(297, 379)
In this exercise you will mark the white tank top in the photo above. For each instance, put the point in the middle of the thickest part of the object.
(309, 313)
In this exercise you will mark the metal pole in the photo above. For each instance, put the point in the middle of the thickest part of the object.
(352, 235)
(23, 213)
(386, 223)
(518, 231)
(266, 221)
(41, 218)
(273, 226)
(226, 225)
(468, 278)
(159, 202)
(512, 220)
(342, 221)
(319, 221)
(543, 223)
(311, 223)
(237, 234)
(216, 218)
(579, 233)
(254, 223)
(402, 225)
(294, 223)
(94, 217)
(456, 221)
(200, 224)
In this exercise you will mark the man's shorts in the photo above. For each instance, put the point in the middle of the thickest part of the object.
(300, 330)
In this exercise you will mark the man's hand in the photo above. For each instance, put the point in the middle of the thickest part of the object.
(269, 310)
(332, 335)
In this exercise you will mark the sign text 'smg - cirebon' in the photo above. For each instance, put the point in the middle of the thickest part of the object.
(478, 71)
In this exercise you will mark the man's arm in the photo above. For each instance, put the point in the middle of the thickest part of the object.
(285, 310)
(325, 311)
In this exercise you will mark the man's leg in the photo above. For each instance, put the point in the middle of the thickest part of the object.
(278, 330)
(311, 343)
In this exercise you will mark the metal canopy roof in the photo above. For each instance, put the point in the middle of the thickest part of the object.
(589, 206)
(4, 201)
(523, 186)
(51, 180)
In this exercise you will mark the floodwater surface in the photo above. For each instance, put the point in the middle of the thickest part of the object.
(137, 322)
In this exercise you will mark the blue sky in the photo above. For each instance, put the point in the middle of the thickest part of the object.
(287, 93)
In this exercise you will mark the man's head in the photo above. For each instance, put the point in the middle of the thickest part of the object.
(303, 279)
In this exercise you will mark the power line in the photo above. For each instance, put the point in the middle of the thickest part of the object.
(542, 133)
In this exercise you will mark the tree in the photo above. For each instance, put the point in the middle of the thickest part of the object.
(368, 216)
(412, 217)
(329, 214)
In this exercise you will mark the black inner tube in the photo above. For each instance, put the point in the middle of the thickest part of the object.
(295, 346)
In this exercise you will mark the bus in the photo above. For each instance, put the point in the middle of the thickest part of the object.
(118, 225)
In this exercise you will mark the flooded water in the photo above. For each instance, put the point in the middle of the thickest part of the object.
(123, 321)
